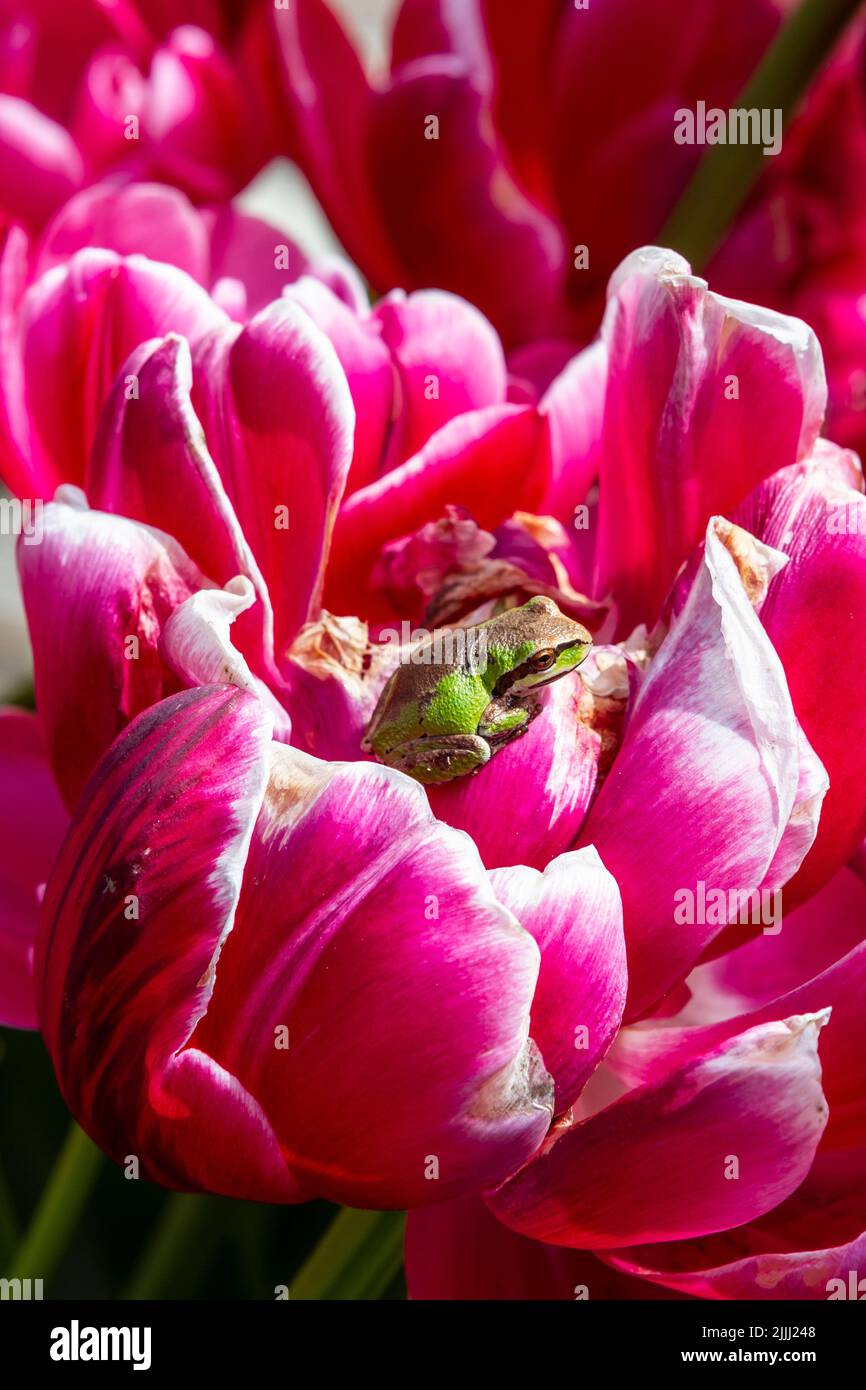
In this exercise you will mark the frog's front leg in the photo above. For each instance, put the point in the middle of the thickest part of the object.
(504, 719)
(441, 757)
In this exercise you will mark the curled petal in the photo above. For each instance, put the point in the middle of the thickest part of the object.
(98, 590)
(710, 768)
(196, 645)
(655, 1165)
(814, 613)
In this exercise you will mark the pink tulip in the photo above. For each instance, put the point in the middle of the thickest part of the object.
(515, 154)
(271, 968)
(94, 88)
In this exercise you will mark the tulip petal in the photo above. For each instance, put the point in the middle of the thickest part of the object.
(710, 767)
(79, 323)
(503, 253)
(328, 111)
(369, 370)
(490, 462)
(23, 471)
(145, 218)
(574, 912)
(705, 397)
(656, 1164)
(40, 163)
(150, 463)
(247, 249)
(816, 512)
(813, 1246)
(163, 828)
(196, 645)
(812, 937)
(573, 406)
(97, 591)
(279, 421)
(647, 1053)
(448, 360)
(32, 824)
(369, 932)
(458, 1250)
(550, 772)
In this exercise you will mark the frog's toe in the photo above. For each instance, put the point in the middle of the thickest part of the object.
(435, 760)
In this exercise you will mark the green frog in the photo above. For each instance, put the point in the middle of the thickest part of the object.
(467, 692)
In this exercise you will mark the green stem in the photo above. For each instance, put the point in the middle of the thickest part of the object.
(726, 173)
(184, 1229)
(72, 1178)
(356, 1259)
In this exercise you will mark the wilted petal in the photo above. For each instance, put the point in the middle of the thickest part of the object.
(652, 1166)
(574, 912)
(32, 824)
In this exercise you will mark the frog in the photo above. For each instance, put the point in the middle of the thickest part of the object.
(442, 717)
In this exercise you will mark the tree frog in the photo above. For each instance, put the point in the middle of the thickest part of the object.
(466, 692)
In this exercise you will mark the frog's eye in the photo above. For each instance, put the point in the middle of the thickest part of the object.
(542, 661)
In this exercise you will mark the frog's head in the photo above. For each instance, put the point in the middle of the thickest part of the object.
(545, 644)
